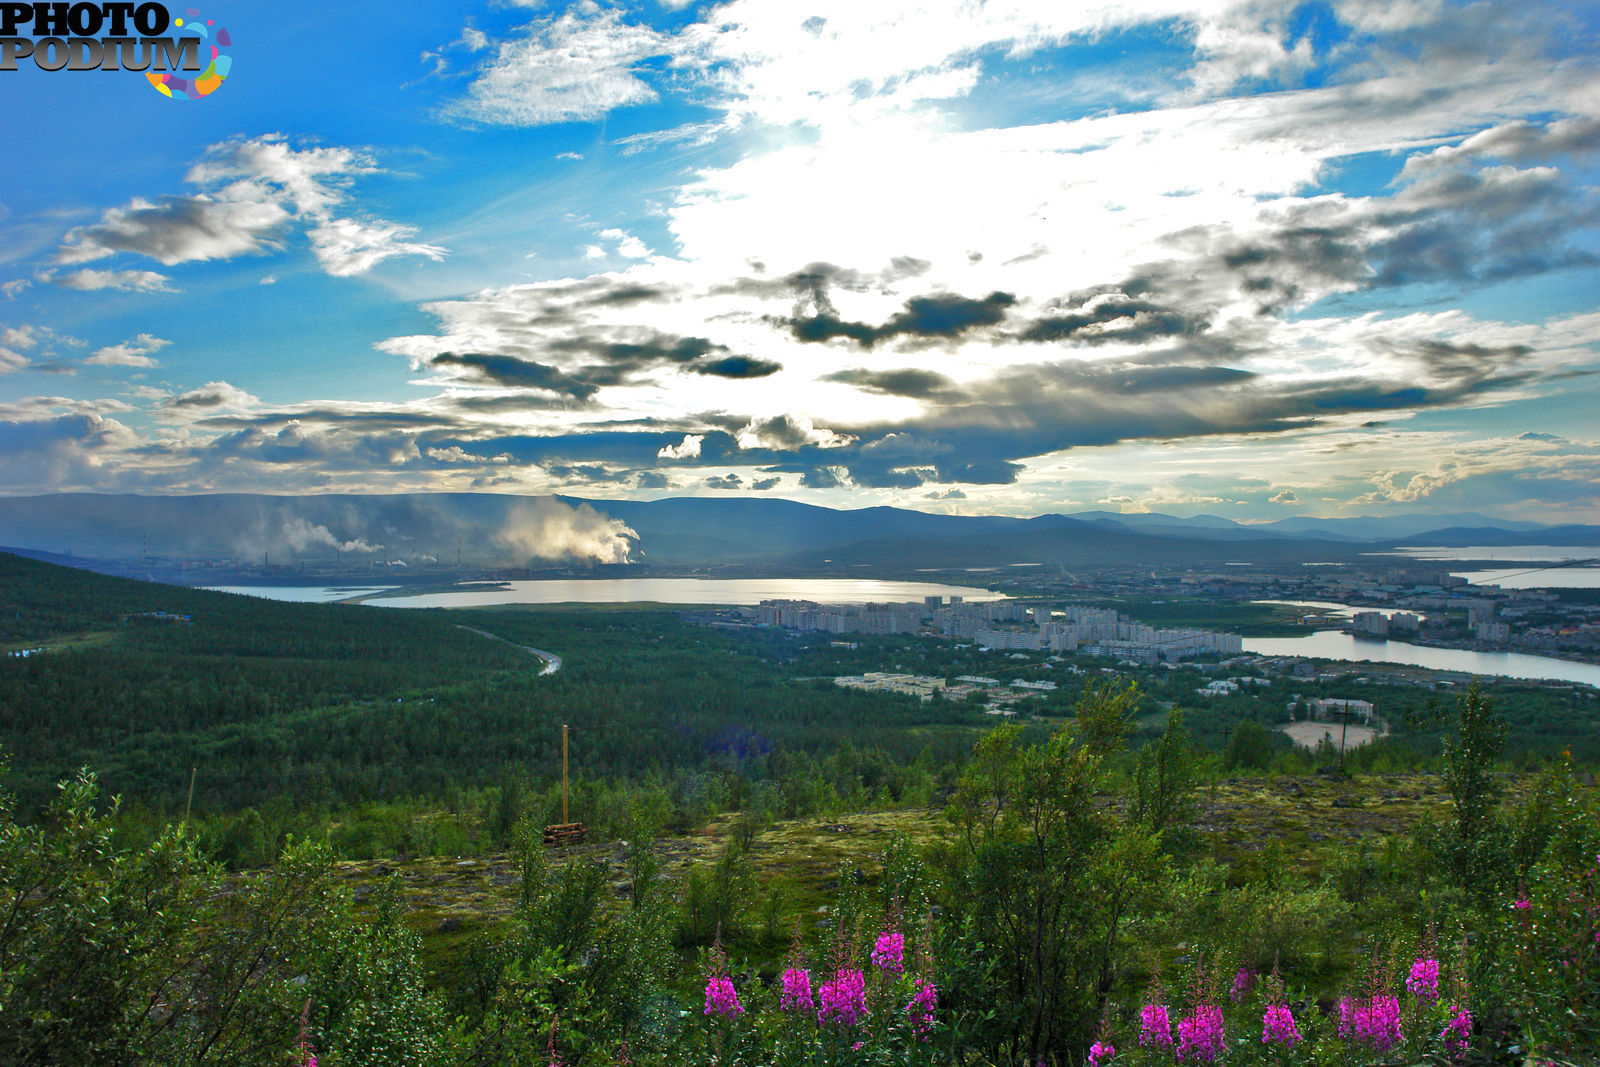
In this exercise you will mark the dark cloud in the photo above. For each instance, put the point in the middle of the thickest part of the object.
(653, 480)
(650, 347)
(211, 395)
(1451, 224)
(737, 367)
(727, 481)
(371, 420)
(823, 478)
(761, 485)
(1459, 361)
(1519, 141)
(518, 373)
(874, 476)
(608, 361)
(586, 472)
(1114, 316)
(908, 381)
(627, 295)
(940, 316)
(979, 471)
(948, 494)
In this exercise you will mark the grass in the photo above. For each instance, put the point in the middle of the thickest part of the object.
(63, 642)
(1256, 827)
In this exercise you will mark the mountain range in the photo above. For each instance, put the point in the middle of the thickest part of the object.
(481, 529)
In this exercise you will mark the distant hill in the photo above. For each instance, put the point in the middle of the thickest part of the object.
(434, 530)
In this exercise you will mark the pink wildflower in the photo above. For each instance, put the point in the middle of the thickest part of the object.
(890, 951)
(1101, 1052)
(1424, 980)
(1200, 1034)
(1278, 1028)
(1347, 1011)
(844, 999)
(555, 1057)
(920, 1009)
(1244, 980)
(1522, 904)
(308, 1052)
(721, 998)
(1457, 1032)
(797, 991)
(1377, 1022)
(1155, 1027)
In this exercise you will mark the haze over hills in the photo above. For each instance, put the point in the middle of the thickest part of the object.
(500, 530)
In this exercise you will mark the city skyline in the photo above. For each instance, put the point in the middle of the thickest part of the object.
(1255, 260)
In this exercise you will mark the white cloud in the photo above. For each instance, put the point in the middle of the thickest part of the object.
(134, 353)
(688, 448)
(134, 281)
(628, 246)
(182, 229)
(568, 69)
(14, 341)
(252, 192)
(211, 397)
(788, 432)
(36, 342)
(347, 247)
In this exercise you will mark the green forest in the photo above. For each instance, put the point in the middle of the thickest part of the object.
(229, 825)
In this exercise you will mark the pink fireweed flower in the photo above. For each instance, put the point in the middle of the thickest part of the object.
(797, 991)
(1244, 980)
(1522, 904)
(889, 953)
(1457, 1032)
(1101, 1052)
(1347, 1014)
(308, 1053)
(1377, 1022)
(1200, 1034)
(1155, 1027)
(721, 998)
(1424, 980)
(844, 999)
(921, 1007)
(1278, 1028)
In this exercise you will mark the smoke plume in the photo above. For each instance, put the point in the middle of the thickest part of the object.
(301, 535)
(549, 529)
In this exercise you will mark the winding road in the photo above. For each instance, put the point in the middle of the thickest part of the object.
(552, 662)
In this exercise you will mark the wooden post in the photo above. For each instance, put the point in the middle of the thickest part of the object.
(563, 773)
(1344, 729)
(189, 804)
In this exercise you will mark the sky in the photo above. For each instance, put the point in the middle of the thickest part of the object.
(1257, 259)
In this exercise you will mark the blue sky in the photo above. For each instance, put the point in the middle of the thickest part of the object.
(1250, 259)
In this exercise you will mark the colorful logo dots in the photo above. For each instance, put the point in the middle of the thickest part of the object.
(208, 37)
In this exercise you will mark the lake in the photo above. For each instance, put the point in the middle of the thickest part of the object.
(1522, 578)
(1337, 645)
(303, 594)
(1509, 553)
(639, 590)
(1516, 574)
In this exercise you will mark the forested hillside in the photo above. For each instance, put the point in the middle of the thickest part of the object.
(361, 878)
